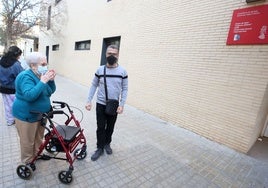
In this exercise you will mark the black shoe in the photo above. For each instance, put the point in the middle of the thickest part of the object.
(97, 154)
(108, 149)
(44, 157)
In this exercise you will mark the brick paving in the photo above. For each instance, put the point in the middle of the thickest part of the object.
(148, 152)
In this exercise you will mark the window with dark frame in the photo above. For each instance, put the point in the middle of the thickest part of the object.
(82, 45)
(49, 18)
(55, 47)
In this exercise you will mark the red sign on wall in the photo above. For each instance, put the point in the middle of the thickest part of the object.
(249, 26)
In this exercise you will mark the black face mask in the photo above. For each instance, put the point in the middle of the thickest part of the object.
(111, 60)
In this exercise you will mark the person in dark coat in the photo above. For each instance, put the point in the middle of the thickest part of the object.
(10, 67)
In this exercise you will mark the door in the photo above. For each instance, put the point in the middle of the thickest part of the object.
(47, 53)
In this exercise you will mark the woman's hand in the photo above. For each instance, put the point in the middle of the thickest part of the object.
(52, 74)
(48, 76)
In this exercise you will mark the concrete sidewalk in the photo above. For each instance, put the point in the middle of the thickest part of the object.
(148, 152)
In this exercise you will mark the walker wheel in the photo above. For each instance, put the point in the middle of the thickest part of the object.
(80, 154)
(50, 148)
(24, 172)
(65, 177)
(49, 145)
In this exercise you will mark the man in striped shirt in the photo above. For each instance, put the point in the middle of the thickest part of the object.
(117, 88)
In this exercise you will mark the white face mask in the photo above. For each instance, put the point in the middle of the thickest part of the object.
(42, 70)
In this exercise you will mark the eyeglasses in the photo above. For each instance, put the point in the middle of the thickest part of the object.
(43, 64)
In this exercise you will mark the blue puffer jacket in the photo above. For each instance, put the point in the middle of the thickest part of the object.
(31, 95)
(9, 69)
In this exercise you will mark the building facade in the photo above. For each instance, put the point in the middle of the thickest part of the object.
(27, 45)
(180, 67)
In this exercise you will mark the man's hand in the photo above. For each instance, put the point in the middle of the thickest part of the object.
(120, 109)
(88, 106)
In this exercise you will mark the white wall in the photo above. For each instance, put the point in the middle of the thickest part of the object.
(179, 66)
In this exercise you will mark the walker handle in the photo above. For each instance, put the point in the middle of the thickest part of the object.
(62, 105)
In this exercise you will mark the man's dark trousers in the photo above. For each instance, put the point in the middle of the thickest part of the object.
(105, 126)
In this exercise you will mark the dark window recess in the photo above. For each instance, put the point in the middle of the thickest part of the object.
(82, 45)
(49, 18)
(251, 1)
(57, 1)
(55, 47)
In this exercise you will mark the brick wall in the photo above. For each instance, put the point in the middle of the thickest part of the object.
(179, 66)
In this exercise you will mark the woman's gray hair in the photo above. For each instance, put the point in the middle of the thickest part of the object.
(33, 58)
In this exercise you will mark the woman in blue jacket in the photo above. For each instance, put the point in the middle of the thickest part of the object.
(10, 67)
(34, 87)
